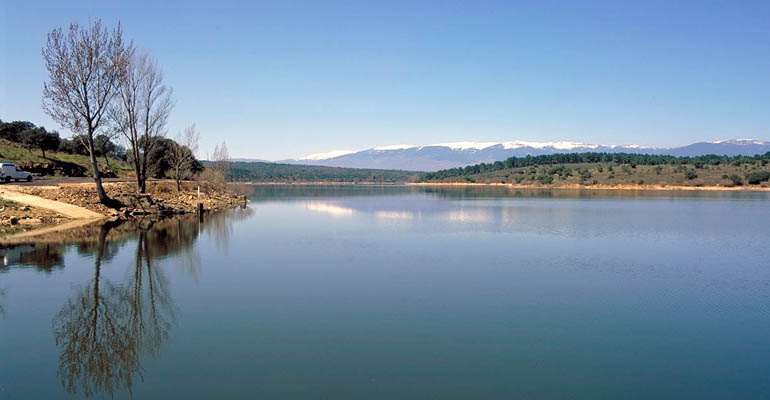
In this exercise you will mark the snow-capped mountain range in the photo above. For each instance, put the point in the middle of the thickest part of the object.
(458, 154)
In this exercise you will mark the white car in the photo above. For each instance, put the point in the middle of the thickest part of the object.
(10, 171)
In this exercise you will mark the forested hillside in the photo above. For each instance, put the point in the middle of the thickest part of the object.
(270, 172)
(613, 169)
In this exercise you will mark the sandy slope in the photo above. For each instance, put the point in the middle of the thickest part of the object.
(67, 210)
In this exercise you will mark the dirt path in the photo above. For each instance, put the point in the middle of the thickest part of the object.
(67, 210)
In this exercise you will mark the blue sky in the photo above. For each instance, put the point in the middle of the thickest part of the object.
(284, 78)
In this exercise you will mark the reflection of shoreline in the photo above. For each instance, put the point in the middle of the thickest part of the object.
(25, 237)
(82, 231)
(169, 236)
(324, 193)
(621, 187)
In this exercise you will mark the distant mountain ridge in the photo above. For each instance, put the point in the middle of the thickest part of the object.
(459, 154)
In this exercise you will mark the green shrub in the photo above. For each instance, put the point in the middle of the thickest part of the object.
(736, 180)
(755, 178)
(627, 169)
(690, 174)
(561, 170)
(545, 179)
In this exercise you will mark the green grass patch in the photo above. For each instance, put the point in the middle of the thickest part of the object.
(25, 158)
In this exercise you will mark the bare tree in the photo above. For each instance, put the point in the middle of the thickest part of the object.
(141, 112)
(221, 159)
(84, 68)
(182, 154)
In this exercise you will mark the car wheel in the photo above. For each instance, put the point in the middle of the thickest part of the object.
(29, 178)
(7, 179)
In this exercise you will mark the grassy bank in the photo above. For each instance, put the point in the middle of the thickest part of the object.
(57, 163)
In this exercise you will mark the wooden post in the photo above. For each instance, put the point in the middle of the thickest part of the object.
(200, 205)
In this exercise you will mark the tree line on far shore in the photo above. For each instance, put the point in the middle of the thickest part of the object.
(102, 88)
(274, 172)
(624, 159)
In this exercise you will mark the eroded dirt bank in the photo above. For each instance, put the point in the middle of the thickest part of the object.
(162, 197)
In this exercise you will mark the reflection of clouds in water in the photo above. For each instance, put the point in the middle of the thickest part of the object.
(387, 212)
(328, 208)
(514, 215)
(469, 215)
(406, 215)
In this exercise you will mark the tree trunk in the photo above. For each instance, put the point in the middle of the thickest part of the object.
(43, 150)
(145, 163)
(103, 198)
(143, 170)
(137, 169)
(178, 180)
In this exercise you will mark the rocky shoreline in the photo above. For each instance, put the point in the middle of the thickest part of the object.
(161, 199)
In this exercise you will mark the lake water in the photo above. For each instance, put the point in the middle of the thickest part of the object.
(323, 292)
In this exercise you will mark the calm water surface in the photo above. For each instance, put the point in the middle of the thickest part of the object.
(401, 293)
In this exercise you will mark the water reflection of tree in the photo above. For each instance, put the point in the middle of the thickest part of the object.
(106, 330)
(98, 353)
(151, 307)
(175, 236)
(220, 225)
(2, 310)
(45, 257)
